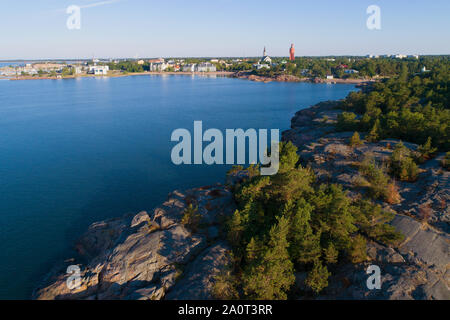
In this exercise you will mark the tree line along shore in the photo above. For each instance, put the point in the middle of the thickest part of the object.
(312, 69)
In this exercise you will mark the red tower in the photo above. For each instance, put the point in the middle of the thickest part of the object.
(292, 53)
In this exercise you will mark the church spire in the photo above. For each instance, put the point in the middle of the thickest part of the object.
(264, 53)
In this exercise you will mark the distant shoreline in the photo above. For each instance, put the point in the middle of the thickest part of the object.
(232, 74)
(147, 73)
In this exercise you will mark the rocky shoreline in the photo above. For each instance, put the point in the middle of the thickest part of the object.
(153, 255)
(149, 255)
(419, 267)
(290, 78)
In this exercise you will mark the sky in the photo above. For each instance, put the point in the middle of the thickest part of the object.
(37, 29)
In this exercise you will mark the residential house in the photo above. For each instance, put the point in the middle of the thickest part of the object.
(98, 70)
(206, 67)
(189, 67)
(158, 66)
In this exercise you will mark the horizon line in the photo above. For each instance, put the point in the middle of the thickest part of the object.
(212, 57)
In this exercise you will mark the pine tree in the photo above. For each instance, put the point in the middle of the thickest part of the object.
(333, 215)
(305, 246)
(374, 222)
(288, 156)
(400, 152)
(235, 228)
(425, 151)
(318, 277)
(402, 165)
(355, 140)
(358, 251)
(253, 250)
(191, 218)
(373, 135)
(273, 275)
(331, 254)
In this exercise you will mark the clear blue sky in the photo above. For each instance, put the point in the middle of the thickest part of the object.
(33, 29)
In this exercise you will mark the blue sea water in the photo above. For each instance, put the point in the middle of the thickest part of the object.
(11, 64)
(76, 151)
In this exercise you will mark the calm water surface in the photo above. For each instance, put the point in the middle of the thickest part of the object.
(73, 152)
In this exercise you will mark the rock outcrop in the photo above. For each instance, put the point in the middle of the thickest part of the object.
(419, 267)
(249, 75)
(150, 255)
(257, 78)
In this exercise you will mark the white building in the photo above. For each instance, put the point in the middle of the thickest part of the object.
(158, 66)
(201, 67)
(98, 70)
(206, 67)
(260, 66)
(265, 58)
(189, 67)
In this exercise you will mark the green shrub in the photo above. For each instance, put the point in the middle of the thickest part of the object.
(330, 254)
(402, 165)
(374, 133)
(358, 250)
(317, 278)
(191, 218)
(373, 221)
(425, 151)
(377, 180)
(346, 121)
(355, 140)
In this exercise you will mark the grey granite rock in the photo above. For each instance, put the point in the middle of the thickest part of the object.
(197, 280)
(139, 257)
(419, 267)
